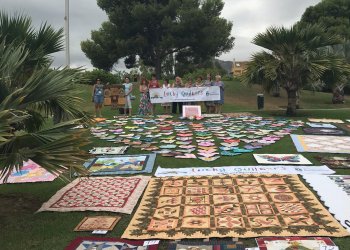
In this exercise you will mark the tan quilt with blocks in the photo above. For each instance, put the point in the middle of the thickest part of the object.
(230, 206)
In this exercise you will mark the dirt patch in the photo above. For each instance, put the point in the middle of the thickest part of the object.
(18, 203)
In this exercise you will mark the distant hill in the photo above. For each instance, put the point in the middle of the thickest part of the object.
(227, 65)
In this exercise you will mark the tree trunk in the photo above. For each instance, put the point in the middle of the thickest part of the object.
(292, 103)
(158, 67)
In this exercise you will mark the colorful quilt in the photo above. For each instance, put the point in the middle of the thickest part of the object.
(98, 243)
(282, 159)
(326, 187)
(113, 194)
(30, 172)
(121, 164)
(323, 131)
(335, 161)
(274, 169)
(108, 150)
(293, 243)
(322, 143)
(320, 125)
(230, 206)
(206, 245)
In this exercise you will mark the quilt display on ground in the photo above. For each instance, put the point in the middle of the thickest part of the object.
(322, 143)
(113, 194)
(121, 164)
(335, 161)
(97, 243)
(207, 245)
(30, 172)
(230, 206)
(293, 243)
(97, 223)
(326, 187)
(287, 159)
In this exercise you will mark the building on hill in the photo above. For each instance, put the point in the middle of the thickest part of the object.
(238, 67)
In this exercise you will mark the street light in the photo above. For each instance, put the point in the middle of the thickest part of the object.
(66, 31)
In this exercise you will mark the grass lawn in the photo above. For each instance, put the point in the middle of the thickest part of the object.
(22, 228)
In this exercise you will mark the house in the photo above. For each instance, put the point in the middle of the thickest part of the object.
(238, 67)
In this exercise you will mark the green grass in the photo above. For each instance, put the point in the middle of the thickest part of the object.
(22, 228)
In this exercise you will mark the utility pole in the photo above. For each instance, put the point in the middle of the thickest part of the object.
(66, 31)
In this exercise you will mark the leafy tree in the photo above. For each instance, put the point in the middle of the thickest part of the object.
(89, 77)
(333, 15)
(153, 30)
(295, 57)
(31, 92)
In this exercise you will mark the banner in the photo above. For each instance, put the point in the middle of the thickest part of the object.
(194, 94)
(167, 172)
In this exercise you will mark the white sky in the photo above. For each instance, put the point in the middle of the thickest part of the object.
(249, 17)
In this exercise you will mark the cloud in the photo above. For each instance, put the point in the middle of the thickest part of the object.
(249, 17)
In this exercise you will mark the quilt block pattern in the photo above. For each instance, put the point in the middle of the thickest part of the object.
(230, 206)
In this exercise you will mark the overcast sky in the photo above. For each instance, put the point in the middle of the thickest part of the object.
(249, 17)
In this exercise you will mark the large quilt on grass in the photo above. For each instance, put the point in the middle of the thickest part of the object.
(322, 143)
(113, 194)
(230, 206)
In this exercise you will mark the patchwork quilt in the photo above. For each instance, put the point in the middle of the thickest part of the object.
(335, 161)
(206, 245)
(97, 243)
(230, 206)
(326, 187)
(322, 143)
(113, 194)
(323, 131)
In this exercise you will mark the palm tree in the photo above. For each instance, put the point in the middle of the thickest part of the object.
(31, 92)
(293, 58)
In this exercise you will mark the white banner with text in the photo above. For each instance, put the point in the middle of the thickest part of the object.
(194, 94)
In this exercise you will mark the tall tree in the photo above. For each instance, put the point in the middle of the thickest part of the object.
(155, 29)
(295, 57)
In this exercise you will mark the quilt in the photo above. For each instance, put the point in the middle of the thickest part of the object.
(98, 243)
(30, 172)
(97, 223)
(274, 169)
(328, 185)
(322, 143)
(121, 164)
(108, 150)
(291, 243)
(335, 161)
(206, 245)
(320, 125)
(282, 159)
(323, 131)
(324, 120)
(113, 194)
(230, 206)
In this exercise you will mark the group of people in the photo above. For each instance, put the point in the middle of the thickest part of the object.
(147, 108)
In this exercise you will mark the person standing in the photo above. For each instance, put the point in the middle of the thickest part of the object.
(177, 84)
(166, 105)
(145, 107)
(153, 84)
(128, 89)
(209, 105)
(98, 97)
(219, 103)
